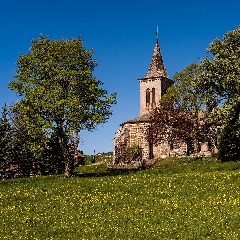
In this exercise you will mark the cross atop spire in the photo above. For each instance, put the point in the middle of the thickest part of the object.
(156, 68)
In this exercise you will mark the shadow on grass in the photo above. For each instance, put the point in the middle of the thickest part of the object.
(163, 167)
(106, 173)
(101, 170)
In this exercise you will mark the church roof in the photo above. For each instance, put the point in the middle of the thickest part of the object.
(156, 68)
(143, 118)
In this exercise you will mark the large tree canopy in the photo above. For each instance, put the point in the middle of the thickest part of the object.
(184, 92)
(220, 71)
(229, 144)
(220, 78)
(214, 85)
(59, 91)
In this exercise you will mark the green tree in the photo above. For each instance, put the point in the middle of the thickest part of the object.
(220, 80)
(28, 143)
(184, 92)
(59, 91)
(5, 141)
(24, 150)
(213, 85)
(186, 95)
(229, 143)
(220, 72)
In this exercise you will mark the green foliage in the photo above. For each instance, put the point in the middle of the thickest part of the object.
(5, 140)
(220, 79)
(16, 152)
(213, 84)
(134, 155)
(134, 148)
(193, 203)
(187, 94)
(59, 91)
(100, 158)
(25, 151)
(184, 92)
(51, 160)
(198, 160)
(220, 73)
(229, 147)
(167, 162)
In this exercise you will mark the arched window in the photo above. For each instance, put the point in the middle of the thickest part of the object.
(153, 95)
(148, 97)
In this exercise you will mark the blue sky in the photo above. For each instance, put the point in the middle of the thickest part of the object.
(122, 34)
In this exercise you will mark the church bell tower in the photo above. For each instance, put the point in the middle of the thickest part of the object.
(155, 83)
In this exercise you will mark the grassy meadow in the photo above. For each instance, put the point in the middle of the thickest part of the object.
(199, 200)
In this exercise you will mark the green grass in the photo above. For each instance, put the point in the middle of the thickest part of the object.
(196, 201)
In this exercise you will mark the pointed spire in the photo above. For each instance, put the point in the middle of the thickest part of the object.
(157, 68)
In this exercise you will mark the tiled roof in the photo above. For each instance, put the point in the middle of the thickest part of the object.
(143, 118)
(156, 67)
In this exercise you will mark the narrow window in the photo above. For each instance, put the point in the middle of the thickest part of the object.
(148, 97)
(153, 95)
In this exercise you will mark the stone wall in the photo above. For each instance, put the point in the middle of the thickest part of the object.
(128, 135)
(133, 133)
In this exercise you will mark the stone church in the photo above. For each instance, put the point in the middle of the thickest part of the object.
(132, 132)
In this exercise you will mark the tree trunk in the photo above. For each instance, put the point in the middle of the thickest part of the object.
(197, 133)
(69, 164)
(169, 149)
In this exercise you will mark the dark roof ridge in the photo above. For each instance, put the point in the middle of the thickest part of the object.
(142, 118)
